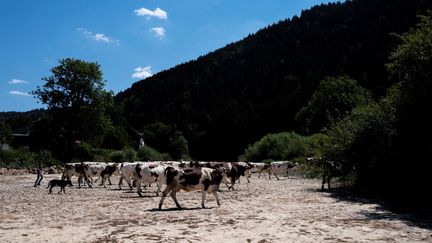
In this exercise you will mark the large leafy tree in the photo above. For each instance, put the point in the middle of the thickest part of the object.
(334, 98)
(76, 100)
(388, 145)
(411, 64)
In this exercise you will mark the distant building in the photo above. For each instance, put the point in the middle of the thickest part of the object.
(20, 137)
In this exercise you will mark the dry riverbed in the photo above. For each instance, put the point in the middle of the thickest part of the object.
(289, 210)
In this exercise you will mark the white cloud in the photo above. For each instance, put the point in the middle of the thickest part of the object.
(158, 31)
(102, 37)
(16, 92)
(18, 81)
(158, 13)
(98, 37)
(142, 72)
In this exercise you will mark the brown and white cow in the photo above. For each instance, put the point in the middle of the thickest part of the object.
(260, 168)
(94, 169)
(280, 167)
(331, 169)
(194, 178)
(76, 169)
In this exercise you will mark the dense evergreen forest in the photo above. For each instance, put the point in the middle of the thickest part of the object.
(235, 95)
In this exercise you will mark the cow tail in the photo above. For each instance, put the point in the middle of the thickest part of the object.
(49, 184)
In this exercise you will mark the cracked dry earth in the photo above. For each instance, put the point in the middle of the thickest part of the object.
(289, 210)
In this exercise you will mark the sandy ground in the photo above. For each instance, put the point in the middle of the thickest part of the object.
(289, 210)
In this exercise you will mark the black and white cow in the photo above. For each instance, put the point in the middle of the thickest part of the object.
(110, 170)
(194, 178)
(128, 173)
(238, 169)
(147, 174)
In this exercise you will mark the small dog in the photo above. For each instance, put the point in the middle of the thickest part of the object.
(60, 183)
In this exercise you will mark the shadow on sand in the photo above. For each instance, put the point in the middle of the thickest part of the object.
(412, 213)
(177, 209)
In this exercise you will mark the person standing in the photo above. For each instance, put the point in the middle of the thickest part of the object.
(39, 172)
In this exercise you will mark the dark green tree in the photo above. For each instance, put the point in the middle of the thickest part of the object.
(5, 133)
(334, 98)
(76, 101)
(411, 65)
(166, 139)
(387, 146)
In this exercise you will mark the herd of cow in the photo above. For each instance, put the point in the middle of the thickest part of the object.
(187, 176)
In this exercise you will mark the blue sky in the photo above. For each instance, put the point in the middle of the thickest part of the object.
(130, 39)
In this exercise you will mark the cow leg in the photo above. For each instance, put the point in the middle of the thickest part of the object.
(203, 197)
(103, 182)
(164, 193)
(216, 195)
(50, 190)
(269, 175)
(127, 180)
(323, 182)
(109, 181)
(173, 195)
(68, 178)
(89, 184)
(328, 181)
(233, 180)
(79, 181)
(129, 183)
(225, 180)
(120, 181)
(89, 181)
(138, 185)
(159, 186)
(134, 183)
(276, 176)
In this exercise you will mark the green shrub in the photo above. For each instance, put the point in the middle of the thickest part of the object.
(117, 156)
(280, 146)
(83, 152)
(18, 158)
(47, 159)
(129, 154)
(148, 153)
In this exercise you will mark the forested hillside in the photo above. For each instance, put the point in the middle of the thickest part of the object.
(21, 119)
(235, 95)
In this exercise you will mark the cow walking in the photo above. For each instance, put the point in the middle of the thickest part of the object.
(194, 178)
